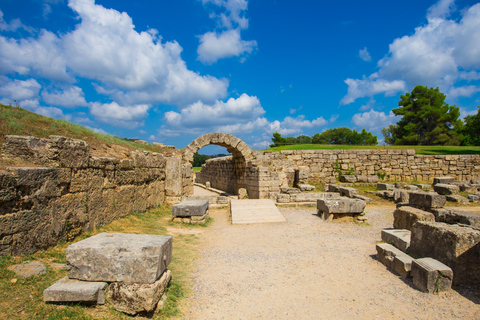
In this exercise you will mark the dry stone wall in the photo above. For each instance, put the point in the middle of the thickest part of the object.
(269, 171)
(73, 192)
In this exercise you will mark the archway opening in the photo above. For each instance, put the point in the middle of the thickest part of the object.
(215, 162)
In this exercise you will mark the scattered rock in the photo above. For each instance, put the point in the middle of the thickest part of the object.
(432, 276)
(473, 197)
(190, 208)
(445, 180)
(28, 269)
(457, 198)
(446, 189)
(385, 186)
(306, 187)
(394, 259)
(405, 217)
(426, 200)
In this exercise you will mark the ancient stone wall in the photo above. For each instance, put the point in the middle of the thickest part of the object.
(269, 171)
(73, 192)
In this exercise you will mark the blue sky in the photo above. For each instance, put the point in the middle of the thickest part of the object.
(169, 71)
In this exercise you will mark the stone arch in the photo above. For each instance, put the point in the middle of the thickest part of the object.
(234, 145)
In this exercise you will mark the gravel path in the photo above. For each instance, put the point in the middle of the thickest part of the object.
(309, 269)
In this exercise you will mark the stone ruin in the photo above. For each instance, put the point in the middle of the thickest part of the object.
(436, 246)
(127, 271)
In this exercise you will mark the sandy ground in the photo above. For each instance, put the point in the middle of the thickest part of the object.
(309, 269)
(197, 191)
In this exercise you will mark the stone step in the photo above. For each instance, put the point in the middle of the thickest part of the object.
(399, 237)
(394, 259)
(430, 275)
(67, 290)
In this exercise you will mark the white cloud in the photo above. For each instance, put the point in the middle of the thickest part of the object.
(69, 98)
(234, 14)
(200, 115)
(333, 118)
(120, 116)
(214, 46)
(464, 112)
(14, 25)
(465, 91)
(439, 53)
(19, 90)
(364, 54)
(371, 86)
(373, 120)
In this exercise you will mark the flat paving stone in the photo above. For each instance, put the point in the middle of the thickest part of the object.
(255, 211)
(67, 290)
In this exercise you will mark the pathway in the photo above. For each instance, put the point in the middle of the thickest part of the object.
(255, 211)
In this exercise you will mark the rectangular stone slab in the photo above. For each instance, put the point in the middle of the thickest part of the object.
(394, 259)
(190, 208)
(399, 237)
(116, 257)
(66, 290)
(430, 275)
(343, 205)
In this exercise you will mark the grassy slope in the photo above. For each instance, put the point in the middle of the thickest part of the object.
(418, 149)
(18, 121)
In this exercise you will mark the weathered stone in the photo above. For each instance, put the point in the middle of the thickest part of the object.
(134, 298)
(400, 195)
(306, 187)
(364, 198)
(423, 186)
(405, 217)
(457, 246)
(242, 193)
(399, 237)
(426, 200)
(130, 258)
(443, 180)
(313, 196)
(430, 275)
(372, 179)
(327, 208)
(28, 269)
(457, 198)
(446, 189)
(332, 188)
(475, 181)
(190, 208)
(453, 216)
(283, 198)
(173, 179)
(473, 197)
(386, 194)
(348, 178)
(385, 186)
(394, 259)
(348, 192)
(289, 190)
(67, 290)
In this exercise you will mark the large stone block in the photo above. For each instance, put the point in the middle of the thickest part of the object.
(348, 178)
(427, 200)
(453, 216)
(313, 196)
(190, 208)
(446, 180)
(329, 209)
(457, 246)
(136, 298)
(67, 290)
(405, 217)
(446, 189)
(394, 259)
(385, 186)
(348, 192)
(119, 257)
(399, 237)
(430, 275)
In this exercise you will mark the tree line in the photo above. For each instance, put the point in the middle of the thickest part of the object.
(341, 135)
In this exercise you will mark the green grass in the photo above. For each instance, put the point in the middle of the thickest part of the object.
(18, 121)
(433, 150)
(22, 299)
(197, 169)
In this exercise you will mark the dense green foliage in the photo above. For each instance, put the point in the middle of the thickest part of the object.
(471, 130)
(199, 159)
(426, 120)
(339, 136)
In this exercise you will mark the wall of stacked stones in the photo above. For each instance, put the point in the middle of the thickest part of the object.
(73, 192)
(271, 170)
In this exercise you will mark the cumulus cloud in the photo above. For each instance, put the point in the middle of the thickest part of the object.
(69, 98)
(364, 54)
(19, 90)
(14, 25)
(227, 42)
(373, 120)
(214, 46)
(465, 91)
(439, 53)
(121, 116)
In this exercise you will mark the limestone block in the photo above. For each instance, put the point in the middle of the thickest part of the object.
(443, 180)
(72, 153)
(135, 297)
(423, 186)
(131, 258)
(313, 196)
(453, 216)
(394, 259)
(386, 194)
(67, 290)
(362, 178)
(283, 198)
(343, 205)
(385, 186)
(289, 190)
(28, 269)
(190, 208)
(405, 217)
(473, 197)
(306, 187)
(401, 196)
(399, 237)
(446, 189)
(457, 198)
(457, 246)
(348, 192)
(348, 178)
(173, 179)
(372, 179)
(8, 192)
(432, 276)
(242, 193)
(427, 200)
(364, 198)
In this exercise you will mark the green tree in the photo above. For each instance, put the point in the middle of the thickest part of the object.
(426, 119)
(199, 159)
(344, 135)
(277, 140)
(471, 130)
(303, 139)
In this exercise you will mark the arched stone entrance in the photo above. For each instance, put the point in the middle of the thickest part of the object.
(230, 173)
(235, 146)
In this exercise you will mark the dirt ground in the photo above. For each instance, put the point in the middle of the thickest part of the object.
(310, 269)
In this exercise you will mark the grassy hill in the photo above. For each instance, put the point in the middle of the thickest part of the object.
(418, 149)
